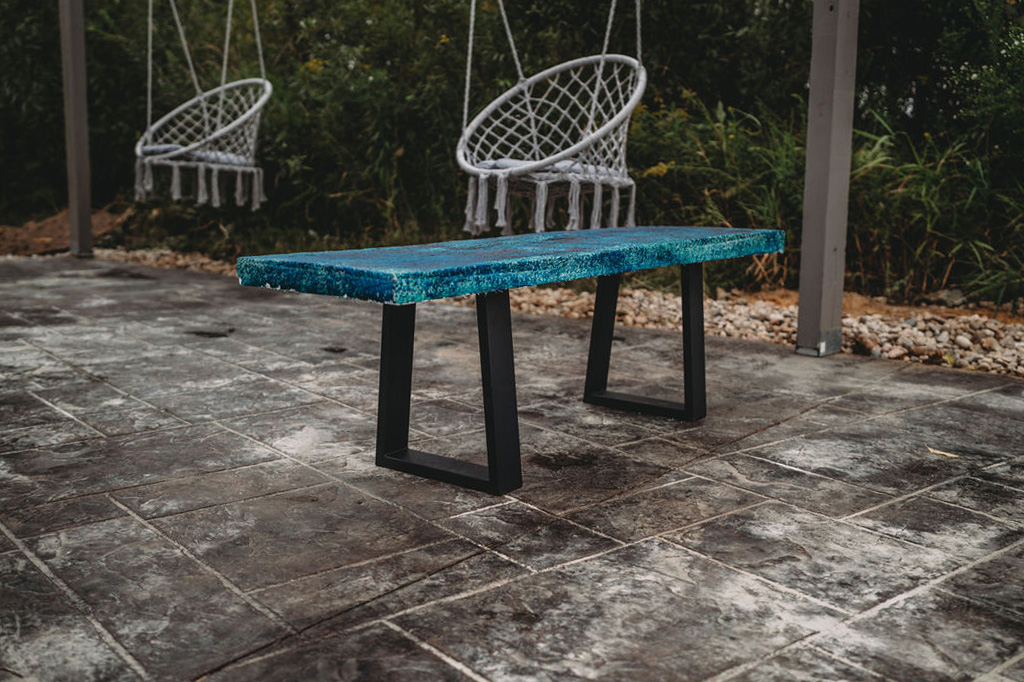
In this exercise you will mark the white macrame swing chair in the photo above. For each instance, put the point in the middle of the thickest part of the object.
(213, 132)
(561, 132)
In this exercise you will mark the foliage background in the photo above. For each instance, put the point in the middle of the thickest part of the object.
(359, 137)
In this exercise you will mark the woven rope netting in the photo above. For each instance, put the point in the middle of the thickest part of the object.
(562, 132)
(215, 131)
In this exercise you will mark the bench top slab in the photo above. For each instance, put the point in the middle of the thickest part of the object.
(422, 272)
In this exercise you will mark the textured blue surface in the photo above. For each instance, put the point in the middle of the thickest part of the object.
(409, 274)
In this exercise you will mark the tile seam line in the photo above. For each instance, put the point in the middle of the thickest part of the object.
(66, 414)
(438, 653)
(934, 582)
(298, 387)
(791, 468)
(79, 604)
(101, 380)
(254, 604)
(997, 608)
(925, 493)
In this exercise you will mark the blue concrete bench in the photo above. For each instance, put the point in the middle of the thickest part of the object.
(399, 277)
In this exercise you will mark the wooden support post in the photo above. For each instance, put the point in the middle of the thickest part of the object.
(76, 125)
(827, 179)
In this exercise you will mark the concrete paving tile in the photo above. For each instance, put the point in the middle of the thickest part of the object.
(929, 636)
(348, 384)
(478, 572)
(807, 664)
(529, 536)
(658, 510)
(44, 637)
(153, 599)
(217, 487)
(964, 381)
(376, 653)
(895, 395)
(876, 456)
(495, 526)
(136, 419)
(618, 617)
(562, 473)
(991, 498)
(248, 395)
(663, 452)
(25, 521)
(599, 425)
(92, 396)
(555, 544)
(52, 434)
(809, 491)
(423, 497)
(835, 562)
(39, 476)
(20, 409)
(313, 433)
(309, 600)
(282, 537)
(1006, 402)
(955, 531)
(444, 418)
(996, 582)
(251, 357)
(954, 428)
(1009, 473)
(167, 371)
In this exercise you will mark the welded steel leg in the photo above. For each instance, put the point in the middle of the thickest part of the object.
(503, 471)
(695, 403)
(595, 390)
(501, 415)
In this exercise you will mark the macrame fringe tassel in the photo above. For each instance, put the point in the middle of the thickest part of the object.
(540, 206)
(481, 224)
(470, 205)
(240, 197)
(257, 188)
(613, 211)
(175, 182)
(215, 187)
(202, 196)
(574, 205)
(147, 178)
(501, 205)
(631, 213)
(595, 213)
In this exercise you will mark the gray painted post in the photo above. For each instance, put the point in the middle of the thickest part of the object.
(827, 179)
(76, 125)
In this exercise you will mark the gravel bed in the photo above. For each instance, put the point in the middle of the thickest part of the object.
(958, 338)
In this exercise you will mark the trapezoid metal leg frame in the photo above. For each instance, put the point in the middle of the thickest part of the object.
(503, 472)
(595, 390)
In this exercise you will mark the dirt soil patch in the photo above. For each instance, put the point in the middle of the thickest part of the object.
(51, 235)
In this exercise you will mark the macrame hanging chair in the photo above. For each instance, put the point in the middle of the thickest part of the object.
(213, 132)
(561, 132)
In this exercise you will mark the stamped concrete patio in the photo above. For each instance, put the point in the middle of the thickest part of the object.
(187, 491)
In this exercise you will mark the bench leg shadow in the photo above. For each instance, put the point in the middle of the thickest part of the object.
(503, 472)
(595, 390)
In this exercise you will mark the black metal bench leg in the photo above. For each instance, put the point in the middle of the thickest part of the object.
(595, 390)
(503, 471)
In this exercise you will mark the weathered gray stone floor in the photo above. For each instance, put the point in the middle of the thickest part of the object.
(187, 491)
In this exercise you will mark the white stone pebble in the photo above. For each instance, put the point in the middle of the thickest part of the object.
(968, 340)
